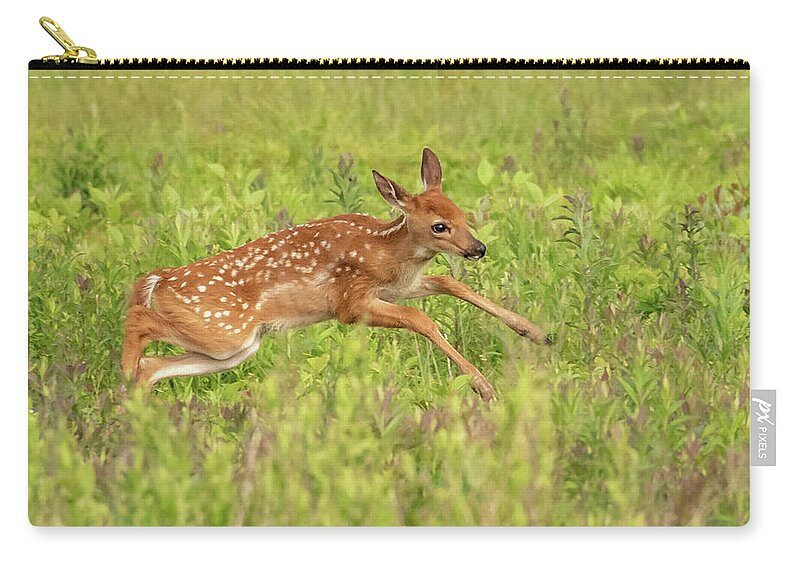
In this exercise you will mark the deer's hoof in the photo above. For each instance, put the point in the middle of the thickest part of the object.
(533, 334)
(484, 389)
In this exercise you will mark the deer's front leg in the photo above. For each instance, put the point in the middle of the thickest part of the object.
(378, 313)
(446, 285)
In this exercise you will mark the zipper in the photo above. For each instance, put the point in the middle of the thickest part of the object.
(72, 52)
(79, 57)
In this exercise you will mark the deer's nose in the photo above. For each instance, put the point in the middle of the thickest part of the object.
(477, 250)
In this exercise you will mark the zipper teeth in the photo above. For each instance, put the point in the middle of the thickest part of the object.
(387, 63)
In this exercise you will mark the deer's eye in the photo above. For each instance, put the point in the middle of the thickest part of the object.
(439, 228)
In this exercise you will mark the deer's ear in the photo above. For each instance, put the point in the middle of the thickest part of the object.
(431, 171)
(392, 192)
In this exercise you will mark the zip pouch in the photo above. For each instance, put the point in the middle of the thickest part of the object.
(379, 292)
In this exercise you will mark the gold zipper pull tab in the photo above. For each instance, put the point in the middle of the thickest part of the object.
(72, 53)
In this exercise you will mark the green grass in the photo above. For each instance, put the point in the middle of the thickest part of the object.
(637, 415)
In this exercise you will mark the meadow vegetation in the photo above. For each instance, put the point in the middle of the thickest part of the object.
(616, 215)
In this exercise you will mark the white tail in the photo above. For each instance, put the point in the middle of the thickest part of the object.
(351, 267)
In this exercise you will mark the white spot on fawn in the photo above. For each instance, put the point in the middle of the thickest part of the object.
(201, 288)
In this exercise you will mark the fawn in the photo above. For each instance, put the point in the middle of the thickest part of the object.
(351, 267)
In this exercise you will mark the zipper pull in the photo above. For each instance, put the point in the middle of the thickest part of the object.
(72, 52)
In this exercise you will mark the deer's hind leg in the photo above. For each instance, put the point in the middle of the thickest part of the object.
(142, 325)
(145, 325)
(153, 369)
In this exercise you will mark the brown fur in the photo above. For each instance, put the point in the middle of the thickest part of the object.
(351, 267)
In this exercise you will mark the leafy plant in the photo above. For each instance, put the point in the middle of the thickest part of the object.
(87, 162)
(347, 192)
